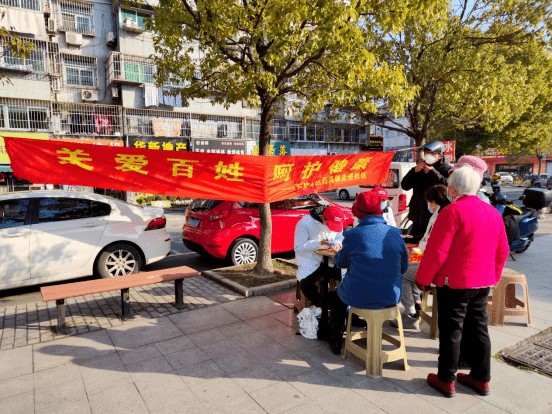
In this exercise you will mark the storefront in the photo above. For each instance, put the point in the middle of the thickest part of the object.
(498, 161)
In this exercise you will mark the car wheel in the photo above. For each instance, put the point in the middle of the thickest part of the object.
(118, 260)
(243, 251)
(344, 195)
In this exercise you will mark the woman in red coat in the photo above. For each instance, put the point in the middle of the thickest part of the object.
(464, 257)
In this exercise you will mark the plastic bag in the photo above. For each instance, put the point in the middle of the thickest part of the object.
(307, 322)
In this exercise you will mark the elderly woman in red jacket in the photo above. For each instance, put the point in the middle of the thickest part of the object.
(464, 257)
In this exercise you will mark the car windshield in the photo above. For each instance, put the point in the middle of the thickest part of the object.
(200, 204)
(308, 201)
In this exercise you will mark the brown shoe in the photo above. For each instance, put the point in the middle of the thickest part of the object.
(480, 387)
(445, 388)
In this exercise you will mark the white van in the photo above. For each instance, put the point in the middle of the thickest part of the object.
(399, 198)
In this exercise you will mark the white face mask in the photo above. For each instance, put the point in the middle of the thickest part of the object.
(383, 205)
(430, 159)
(430, 209)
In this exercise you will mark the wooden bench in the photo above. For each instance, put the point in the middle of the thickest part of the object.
(123, 283)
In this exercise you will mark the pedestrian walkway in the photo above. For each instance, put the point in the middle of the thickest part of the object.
(31, 323)
(243, 356)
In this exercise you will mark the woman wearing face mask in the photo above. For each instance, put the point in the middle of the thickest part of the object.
(431, 171)
(464, 257)
(436, 198)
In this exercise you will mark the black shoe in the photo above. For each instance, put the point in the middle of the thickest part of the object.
(335, 347)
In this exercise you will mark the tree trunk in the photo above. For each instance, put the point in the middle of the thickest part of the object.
(420, 140)
(264, 257)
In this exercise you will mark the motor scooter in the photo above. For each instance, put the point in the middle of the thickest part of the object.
(520, 222)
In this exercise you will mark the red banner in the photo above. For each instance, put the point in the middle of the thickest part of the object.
(450, 151)
(192, 174)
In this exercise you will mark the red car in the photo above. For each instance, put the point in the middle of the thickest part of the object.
(230, 229)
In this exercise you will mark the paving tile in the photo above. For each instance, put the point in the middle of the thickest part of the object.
(255, 378)
(223, 395)
(134, 335)
(142, 353)
(18, 404)
(122, 399)
(49, 397)
(66, 373)
(189, 356)
(201, 373)
(80, 406)
(71, 349)
(182, 402)
(203, 319)
(16, 362)
(207, 337)
(16, 386)
(253, 307)
(278, 398)
(156, 369)
(102, 373)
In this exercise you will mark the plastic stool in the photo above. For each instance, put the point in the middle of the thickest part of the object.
(431, 319)
(373, 355)
(302, 302)
(504, 301)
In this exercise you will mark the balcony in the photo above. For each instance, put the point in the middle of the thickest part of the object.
(124, 68)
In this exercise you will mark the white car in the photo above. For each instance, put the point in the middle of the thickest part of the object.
(506, 177)
(346, 193)
(47, 236)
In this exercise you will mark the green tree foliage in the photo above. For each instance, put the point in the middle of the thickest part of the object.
(469, 65)
(264, 51)
(19, 48)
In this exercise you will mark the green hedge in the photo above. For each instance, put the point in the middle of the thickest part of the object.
(148, 198)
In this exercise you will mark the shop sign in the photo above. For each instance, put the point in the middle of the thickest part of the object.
(375, 143)
(278, 148)
(159, 143)
(4, 159)
(450, 151)
(219, 146)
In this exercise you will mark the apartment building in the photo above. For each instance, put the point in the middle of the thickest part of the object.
(90, 79)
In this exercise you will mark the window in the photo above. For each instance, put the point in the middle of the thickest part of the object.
(24, 4)
(139, 73)
(252, 128)
(100, 209)
(63, 209)
(77, 17)
(138, 17)
(34, 62)
(26, 117)
(80, 70)
(314, 134)
(307, 202)
(297, 132)
(13, 213)
(2, 117)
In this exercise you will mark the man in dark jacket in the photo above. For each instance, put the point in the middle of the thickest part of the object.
(427, 173)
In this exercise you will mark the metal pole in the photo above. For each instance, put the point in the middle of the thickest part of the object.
(62, 327)
(125, 304)
(179, 293)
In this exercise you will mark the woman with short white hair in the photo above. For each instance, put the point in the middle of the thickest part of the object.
(464, 257)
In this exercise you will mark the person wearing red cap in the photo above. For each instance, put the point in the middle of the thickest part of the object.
(375, 256)
(385, 206)
(323, 226)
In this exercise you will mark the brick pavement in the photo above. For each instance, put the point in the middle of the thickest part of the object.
(32, 323)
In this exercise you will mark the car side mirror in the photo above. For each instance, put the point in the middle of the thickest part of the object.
(522, 197)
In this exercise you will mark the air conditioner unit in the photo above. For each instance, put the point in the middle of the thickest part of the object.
(132, 26)
(110, 38)
(115, 93)
(51, 25)
(73, 38)
(89, 95)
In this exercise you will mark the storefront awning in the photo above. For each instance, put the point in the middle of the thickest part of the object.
(5, 168)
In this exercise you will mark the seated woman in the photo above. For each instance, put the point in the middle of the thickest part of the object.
(436, 198)
(375, 256)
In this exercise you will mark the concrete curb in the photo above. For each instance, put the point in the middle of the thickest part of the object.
(248, 292)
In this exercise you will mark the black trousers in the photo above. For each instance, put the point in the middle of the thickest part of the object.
(308, 284)
(338, 311)
(463, 312)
